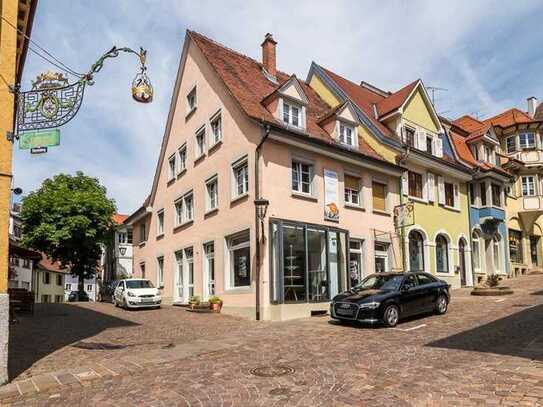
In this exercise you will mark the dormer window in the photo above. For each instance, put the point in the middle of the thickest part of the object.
(292, 114)
(347, 135)
(527, 140)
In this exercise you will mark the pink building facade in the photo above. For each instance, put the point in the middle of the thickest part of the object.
(238, 130)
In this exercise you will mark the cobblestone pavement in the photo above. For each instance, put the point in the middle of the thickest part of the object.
(484, 351)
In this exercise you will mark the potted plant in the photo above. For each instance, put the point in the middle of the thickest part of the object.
(194, 301)
(215, 303)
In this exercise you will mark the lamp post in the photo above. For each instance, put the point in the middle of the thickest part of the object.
(261, 207)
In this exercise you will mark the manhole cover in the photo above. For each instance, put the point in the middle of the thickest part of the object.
(97, 346)
(272, 371)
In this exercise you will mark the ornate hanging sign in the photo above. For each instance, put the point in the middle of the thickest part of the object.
(53, 102)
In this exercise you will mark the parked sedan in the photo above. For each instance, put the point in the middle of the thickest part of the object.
(136, 293)
(78, 296)
(389, 297)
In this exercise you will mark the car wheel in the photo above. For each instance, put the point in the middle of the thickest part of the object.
(441, 305)
(391, 315)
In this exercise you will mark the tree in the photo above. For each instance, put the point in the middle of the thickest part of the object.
(68, 219)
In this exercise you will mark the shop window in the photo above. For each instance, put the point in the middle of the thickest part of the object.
(475, 251)
(442, 254)
(209, 250)
(515, 246)
(240, 260)
(381, 257)
(416, 251)
(355, 261)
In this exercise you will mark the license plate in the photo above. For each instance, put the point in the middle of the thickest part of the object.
(341, 311)
(147, 300)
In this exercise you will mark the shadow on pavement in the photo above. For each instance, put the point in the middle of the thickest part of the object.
(52, 327)
(519, 334)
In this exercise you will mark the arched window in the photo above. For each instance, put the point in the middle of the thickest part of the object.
(442, 254)
(496, 246)
(416, 251)
(475, 251)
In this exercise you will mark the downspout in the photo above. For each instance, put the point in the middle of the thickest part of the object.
(266, 131)
(401, 160)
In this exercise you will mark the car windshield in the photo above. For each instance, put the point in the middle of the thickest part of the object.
(139, 284)
(380, 282)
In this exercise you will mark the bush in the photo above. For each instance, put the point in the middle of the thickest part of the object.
(194, 300)
(492, 281)
(215, 300)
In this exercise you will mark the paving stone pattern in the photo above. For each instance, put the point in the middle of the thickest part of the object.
(484, 351)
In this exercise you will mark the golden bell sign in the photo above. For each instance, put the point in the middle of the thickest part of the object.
(142, 90)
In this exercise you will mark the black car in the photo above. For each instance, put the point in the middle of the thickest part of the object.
(78, 296)
(388, 297)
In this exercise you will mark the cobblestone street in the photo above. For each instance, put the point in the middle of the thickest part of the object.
(485, 351)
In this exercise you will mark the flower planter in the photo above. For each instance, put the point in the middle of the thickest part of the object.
(491, 291)
(216, 307)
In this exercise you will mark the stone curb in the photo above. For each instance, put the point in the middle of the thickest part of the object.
(83, 375)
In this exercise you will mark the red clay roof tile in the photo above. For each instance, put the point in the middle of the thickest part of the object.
(395, 100)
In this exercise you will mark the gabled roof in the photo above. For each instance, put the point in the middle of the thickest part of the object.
(291, 81)
(396, 99)
(246, 82)
(509, 118)
(46, 264)
(468, 123)
(119, 218)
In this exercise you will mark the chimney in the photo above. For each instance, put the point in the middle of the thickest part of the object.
(268, 54)
(532, 106)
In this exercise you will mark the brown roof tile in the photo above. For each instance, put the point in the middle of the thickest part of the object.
(395, 100)
(468, 123)
(246, 82)
(509, 118)
(119, 218)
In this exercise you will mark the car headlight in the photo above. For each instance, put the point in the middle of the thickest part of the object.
(370, 305)
(131, 294)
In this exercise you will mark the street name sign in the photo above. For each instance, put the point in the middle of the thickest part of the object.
(39, 139)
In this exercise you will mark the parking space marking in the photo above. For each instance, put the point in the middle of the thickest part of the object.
(412, 328)
(500, 300)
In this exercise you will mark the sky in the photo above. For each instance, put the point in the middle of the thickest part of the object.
(486, 54)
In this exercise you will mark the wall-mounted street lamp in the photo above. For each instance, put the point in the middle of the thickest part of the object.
(17, 191)
(261, 207)
(53, 101)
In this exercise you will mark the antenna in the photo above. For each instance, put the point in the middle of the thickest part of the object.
(435, 89)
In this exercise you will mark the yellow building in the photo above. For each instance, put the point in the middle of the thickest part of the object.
(48, 281)
(404, 128)
(16, 23)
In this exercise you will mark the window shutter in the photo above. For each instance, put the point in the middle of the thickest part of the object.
(441, 190)
(352, 182)
(405, 183)
(424, 187)
(421, 140)
(280, 109)
(438, 146)
(302, 118)
(431, 187)
(456, 197)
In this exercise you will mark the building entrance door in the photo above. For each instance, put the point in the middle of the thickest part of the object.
(534, 245)
(462, 251)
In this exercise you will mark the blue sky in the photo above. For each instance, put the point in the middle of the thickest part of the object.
(486, 53)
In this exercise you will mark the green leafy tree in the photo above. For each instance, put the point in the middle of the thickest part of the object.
(68, 219)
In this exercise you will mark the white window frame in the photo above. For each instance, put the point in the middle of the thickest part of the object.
(160, 271)
(192, 108)
(182, 153)
(214, 140)
(348, 192)
(287, 111)
(298, 163)
(178, 212)
(160, 222)
(229, 272)
(237, 165)
(209, 284)
(212, 203)
(514, 138)
(200, 149)
(533, 185)
(188, 262)
(526, 134)
(476, 254)
(188, 211)
(172, 169)
(342, 127)
(496, 253)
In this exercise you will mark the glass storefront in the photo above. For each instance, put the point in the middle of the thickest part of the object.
(308, 262)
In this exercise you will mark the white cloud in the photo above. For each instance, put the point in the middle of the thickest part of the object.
(476, 50)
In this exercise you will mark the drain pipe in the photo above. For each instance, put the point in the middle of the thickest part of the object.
(266, 131)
